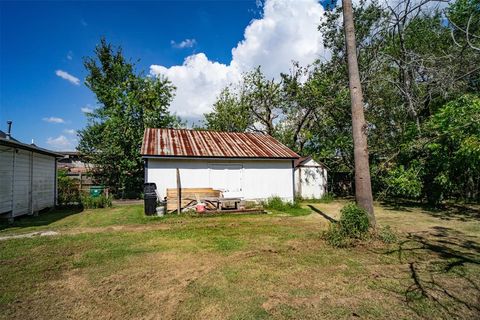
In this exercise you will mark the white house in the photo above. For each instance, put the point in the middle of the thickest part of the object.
(310, 178)
(28, 177)
(251, 166)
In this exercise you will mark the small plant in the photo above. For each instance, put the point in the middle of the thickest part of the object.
(102, 201)
(336, 237)
(387, 235)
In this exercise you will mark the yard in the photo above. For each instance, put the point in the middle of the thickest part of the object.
(117, 263)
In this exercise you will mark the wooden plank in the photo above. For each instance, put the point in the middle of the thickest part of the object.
(187, 195)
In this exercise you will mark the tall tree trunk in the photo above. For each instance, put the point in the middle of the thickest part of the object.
(363, 187)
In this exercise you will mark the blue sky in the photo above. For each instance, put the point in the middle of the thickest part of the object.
(200, 46)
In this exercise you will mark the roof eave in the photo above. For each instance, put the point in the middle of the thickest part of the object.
(216, 157)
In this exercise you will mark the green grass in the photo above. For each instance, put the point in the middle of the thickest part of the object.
(118, 263)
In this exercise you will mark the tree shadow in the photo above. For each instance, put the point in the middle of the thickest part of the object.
(441, 266)
(43, 218)
(449, 211)
(322, 214)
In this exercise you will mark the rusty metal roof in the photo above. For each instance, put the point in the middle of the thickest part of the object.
(212, 144)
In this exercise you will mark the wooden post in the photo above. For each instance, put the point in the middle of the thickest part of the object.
(179, 196)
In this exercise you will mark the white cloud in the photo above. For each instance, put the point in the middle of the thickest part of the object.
(286, 32)
(61, 143)
(83, 22)
(70, 55)
(54, 120)
(187, 43)
(67, 76)
(70, 131)
(86, 109)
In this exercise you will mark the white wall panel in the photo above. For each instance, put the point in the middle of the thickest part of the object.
(260, 179)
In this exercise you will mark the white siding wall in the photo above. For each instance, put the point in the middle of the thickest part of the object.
(260, 179)
(311, 180)
(6, 172)
(22, 183)
(27, 181)
(43, 182)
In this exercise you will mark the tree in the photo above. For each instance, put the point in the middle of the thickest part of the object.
(254, 104)
(363, 188)
(229, 113)
(128, 102)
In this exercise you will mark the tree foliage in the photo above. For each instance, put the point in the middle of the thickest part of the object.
(128, 102)
(419, 65)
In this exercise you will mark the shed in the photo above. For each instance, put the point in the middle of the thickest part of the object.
(28, 177)
(251, 166)
(310, 178)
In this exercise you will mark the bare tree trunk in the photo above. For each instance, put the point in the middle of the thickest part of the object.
(363, 187)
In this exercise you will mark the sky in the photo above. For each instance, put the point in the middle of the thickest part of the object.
(201, 46)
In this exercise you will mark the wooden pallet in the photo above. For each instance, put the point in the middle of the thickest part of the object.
(188, 195)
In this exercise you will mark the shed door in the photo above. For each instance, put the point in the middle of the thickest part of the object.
(227, 178)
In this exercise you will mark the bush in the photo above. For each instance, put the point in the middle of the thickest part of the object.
(68, 192)
(354, 221)
(353, 225)
(102, 201)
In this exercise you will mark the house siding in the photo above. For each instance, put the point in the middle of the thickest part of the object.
(260, 179)
(28, 181)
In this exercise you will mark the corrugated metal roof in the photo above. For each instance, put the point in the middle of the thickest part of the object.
(212, 144)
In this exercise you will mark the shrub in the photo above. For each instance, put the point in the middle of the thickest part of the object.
(353, 224)
(354, 221)
(102, 201)
(68, 192)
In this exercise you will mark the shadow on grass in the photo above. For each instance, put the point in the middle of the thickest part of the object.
(442, 266)
(456, 211)
(322, 213)
(43, 218)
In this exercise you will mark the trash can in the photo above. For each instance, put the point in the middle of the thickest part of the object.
(96, 191)
(150, 198)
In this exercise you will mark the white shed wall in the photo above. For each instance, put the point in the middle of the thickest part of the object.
(27, 181)
(43, 182)
(260, 179)
(6, 172)
(311, 180)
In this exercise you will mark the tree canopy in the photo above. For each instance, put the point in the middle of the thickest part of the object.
(127, 103)
(420, 72)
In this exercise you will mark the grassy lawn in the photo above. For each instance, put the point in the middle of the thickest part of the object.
(117, 263)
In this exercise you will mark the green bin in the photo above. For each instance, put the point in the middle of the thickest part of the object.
(96, 191)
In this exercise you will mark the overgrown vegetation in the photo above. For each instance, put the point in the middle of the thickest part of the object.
(67, 189)
(102, 201)
(290, 207)
(353, 227)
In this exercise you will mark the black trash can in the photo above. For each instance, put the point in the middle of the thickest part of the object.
(150, 198)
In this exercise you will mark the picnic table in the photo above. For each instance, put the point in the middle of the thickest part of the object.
(217, 203)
